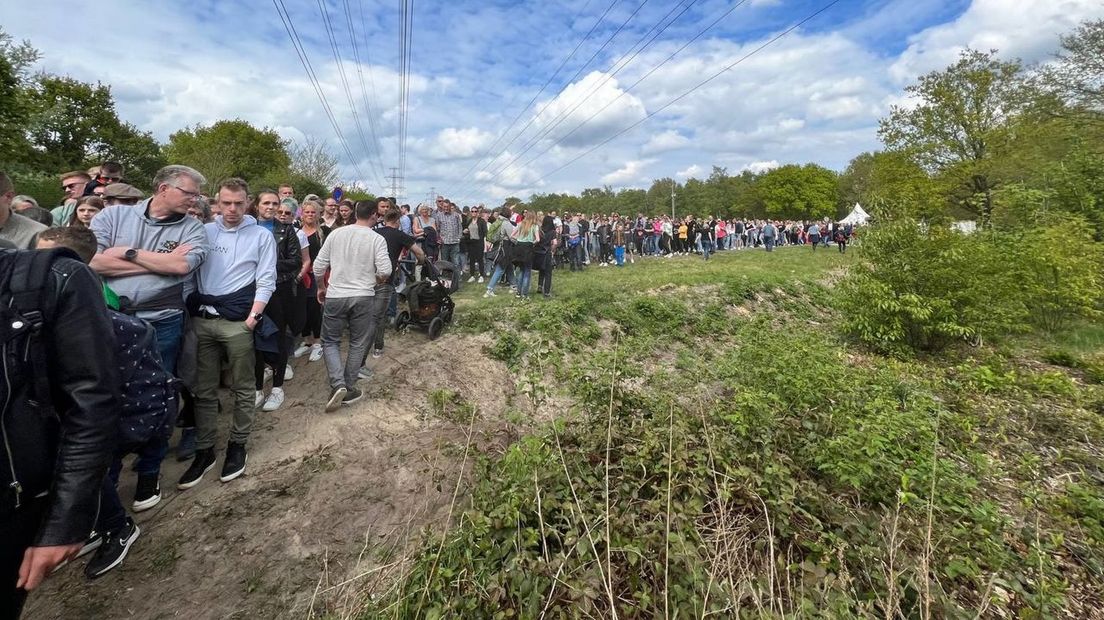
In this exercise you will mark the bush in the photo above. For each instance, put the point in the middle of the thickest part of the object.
(1058, 273)
(922, 289)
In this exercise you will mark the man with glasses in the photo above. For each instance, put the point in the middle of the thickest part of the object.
(72, 184)
(147, 254)
(110, 172)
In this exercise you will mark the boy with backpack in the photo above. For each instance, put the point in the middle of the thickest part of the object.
(149, 407)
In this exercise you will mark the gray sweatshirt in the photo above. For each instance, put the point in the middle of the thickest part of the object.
(238, 257)
(129, 226)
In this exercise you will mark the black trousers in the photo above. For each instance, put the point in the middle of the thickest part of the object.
(475, 257)
(543, 263)
(286, 309)
(19, 533)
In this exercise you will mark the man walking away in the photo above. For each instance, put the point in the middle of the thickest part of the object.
(356, 257)
(769, 233)
(234, 286)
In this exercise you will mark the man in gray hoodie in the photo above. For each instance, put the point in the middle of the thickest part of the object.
(234, 286)
(147, 255)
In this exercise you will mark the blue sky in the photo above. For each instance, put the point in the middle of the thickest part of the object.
(815, 95)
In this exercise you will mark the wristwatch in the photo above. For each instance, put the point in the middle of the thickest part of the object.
(257, 316)
(131, 254)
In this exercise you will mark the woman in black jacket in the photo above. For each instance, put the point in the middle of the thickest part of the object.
(285, 304)
(543, 253)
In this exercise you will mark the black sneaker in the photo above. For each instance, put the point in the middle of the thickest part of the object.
(336, 397)
(352, 395)
(148, 492)
(202, 463)
(113, 550)
(95, 539)
(234, 463)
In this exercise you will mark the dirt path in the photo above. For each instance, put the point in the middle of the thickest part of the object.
(326, 498)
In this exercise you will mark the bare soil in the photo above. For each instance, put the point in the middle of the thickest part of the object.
(328, 503)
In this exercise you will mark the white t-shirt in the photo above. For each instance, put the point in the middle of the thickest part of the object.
(354, 255)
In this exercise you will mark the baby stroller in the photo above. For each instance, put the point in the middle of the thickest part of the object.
(428, 304)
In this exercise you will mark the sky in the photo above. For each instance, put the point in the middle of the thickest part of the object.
(515, 97)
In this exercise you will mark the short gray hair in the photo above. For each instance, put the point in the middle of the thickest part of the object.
(170, 174)
(22, 198)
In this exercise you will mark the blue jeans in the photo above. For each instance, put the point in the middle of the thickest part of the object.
(619, 254)
(769, 243)
(706, 247)
(495, 277)
(170, 333)
(524, 275)
(451, 252)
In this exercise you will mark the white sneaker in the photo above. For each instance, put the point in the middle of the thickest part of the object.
(364, 373)
(275, 399)
(301, 351)
(471, 279)
(480, 279)
(268, 374)
(489, 293)
(377, 353)
(260, 399)
(316, 352)
(289, 374)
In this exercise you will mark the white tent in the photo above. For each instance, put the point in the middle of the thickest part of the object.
(857, 217)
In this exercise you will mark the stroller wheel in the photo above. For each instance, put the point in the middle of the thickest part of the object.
(435, 327)
(402, 320)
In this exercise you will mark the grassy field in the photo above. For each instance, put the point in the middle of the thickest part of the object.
(702, 441)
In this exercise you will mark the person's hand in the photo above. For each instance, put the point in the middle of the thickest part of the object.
(39, 561)
(181, 249)
(321, 295)
(250, 322)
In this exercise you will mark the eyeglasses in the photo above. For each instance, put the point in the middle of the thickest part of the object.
(190, 195)
(110, 179)
(66, 187)
(284, 213)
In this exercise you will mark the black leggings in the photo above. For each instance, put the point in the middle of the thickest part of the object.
(543, 263)
(285, 309)
(312, 325)
(475, 257)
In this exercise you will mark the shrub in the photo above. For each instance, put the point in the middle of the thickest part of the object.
(1058, 271)
(922, 289)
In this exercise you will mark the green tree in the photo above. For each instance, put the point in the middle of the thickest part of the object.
(801, 192)
(1077, 74)
(312, 161)
(961, 124)
(231, 149)
(137, 150)
(14, 116)
(889, 184)
(69, 121)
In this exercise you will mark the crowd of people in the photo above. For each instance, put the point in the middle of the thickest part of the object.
(231, 286)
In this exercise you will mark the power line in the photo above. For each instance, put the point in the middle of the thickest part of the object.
(542, 88)
(623, 62)
(328, 24)
(378, 160)
(406, 36)
(570, 81)
(623, 92)
(694, 88)
(301, 52)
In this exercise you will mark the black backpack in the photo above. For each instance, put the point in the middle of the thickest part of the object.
(149, 393)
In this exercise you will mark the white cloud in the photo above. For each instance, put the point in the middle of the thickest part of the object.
(588, 97)
(452, 143)
(669, 140)
(1018, 28)
(759, 167)
(630, 172)
(693, 171)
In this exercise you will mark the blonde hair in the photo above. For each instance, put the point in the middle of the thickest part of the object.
(527, 223)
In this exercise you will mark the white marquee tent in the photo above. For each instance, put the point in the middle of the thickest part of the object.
(857, 217)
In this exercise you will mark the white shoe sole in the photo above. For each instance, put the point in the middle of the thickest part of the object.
(139, 506)
(184, 486)
(236, 473)
(335, 401)
(122, 556)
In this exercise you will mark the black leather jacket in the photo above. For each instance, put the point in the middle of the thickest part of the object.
(63, 456)
(289, 257)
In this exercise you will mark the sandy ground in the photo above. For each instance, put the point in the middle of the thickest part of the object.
(325, 499)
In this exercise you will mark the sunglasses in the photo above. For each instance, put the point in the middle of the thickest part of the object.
(284, 213)
(111, 179)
